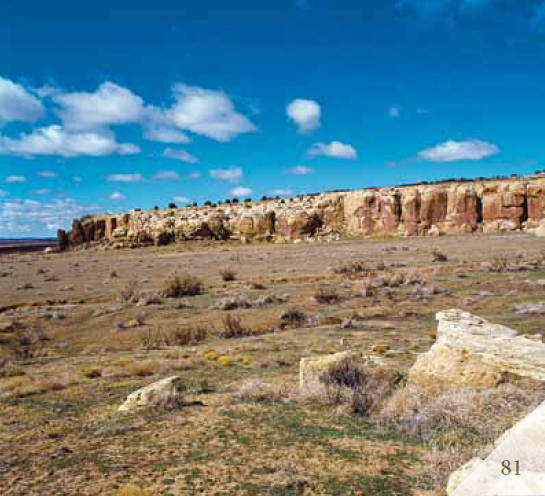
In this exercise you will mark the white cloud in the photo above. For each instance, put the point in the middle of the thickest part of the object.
(300, 170)
(31, 215)
(182, 199)
(40, 191)
(208, 113)
(394, 112)
(128, 149)
(180, 155)
(77, 179)
(3, 193)
(305, 113)
(17, 104)
(451, 150)
(54, 140)
(233, 174)
(335, 149)
(15, 179)
(281, 192)
(117, 196)
(125, 178)
(47, 173)
(165, 135)
(195, 175)
(109, 104)
(241, 191)
(167, 175)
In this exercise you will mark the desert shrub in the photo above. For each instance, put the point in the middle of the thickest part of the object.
(232, 303)
(354, 268)
(24, 342)
(438, 256)
(259, 391)
(225, 361)
(257, 286)
(270, 300)
(156, 338)
(457, 423)
(228, 275)
(153, 338)
(292, 316)
(113, 274)
(326, 296)
(178, 285)
(130, 292)
(233, 328)
(364, 389)
(499, 263)
(456, 417)
(188, 335)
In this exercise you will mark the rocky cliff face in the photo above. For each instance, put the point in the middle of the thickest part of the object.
(432, 209)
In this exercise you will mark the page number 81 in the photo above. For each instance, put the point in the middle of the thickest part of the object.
(507, 470)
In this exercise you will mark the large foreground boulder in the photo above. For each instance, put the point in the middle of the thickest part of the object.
(164, 393)
(470, 351)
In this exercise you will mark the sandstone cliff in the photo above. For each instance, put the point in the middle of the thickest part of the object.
(450, 207)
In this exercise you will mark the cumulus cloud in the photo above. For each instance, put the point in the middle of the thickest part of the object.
(182, 199)
(194, 175)
(281, 192)
(18, 104)
(108, 104)
(305, 113)
(40, 191)
(3, 193)
(165, 135)
(125, 178)
(166, 175)
(335, 149)
(47, 173)
(241, 191)
(26, 215)
(55, 140)
(15, 179)
(451, 150)
(233, 174)
(180, 155)
(77, 179)
(300, 170)
(116, 195)
(208, 113)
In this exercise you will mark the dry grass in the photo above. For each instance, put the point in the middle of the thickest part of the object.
(233, 328)
(326, 296)
(130, 292)
(228, 275)
(178, 285)
(258, 391)
(438, 256)
(364, 389)
(156, 338)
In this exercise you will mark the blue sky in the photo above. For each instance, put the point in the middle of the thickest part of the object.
(120, 105)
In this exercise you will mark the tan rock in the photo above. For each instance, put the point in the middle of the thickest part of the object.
(310, 368)
(163, 393)
(470, 351)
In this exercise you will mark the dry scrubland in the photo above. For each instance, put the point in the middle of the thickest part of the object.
(81, 330)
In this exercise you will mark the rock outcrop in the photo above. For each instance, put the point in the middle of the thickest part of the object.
(449, 207)
(164, 393)
(470, 351)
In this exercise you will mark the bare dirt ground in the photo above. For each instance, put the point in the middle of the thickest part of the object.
(81, 330)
